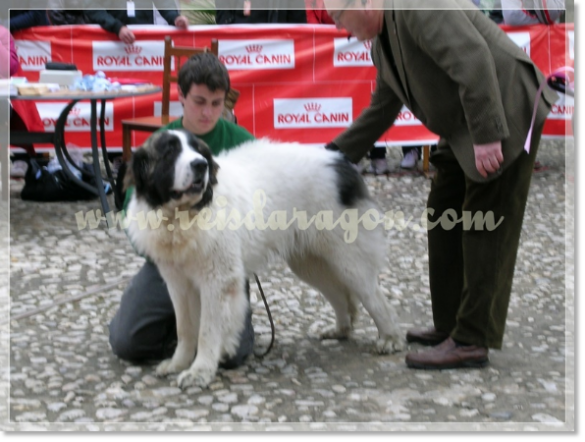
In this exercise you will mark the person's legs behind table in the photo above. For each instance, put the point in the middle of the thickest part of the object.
(481, 262)
(144, 327)
(410, 156)
(378, 162)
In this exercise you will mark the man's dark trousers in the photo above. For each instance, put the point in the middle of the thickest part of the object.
(471, 270)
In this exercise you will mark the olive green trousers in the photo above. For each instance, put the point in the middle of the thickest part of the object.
(471, 263)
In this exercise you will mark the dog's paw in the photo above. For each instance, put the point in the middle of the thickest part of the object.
(169, 366)
(390, 344)
(334, 332)
(201, 377)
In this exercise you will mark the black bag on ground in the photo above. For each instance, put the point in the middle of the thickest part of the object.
(44, 186)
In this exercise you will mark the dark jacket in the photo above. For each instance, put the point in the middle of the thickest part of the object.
(59, 17)
(262, 11)
(112, 20)
(24, 19)
(459, 74)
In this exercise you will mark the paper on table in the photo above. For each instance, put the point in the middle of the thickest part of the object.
(37, 88)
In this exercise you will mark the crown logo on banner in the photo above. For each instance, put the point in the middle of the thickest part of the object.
(254, 48)
(76, 111)
(131, 49)
(368, 45)
(312, 107)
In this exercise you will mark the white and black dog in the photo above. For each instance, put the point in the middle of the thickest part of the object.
(208, 223)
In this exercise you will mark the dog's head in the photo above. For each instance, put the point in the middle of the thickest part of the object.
(173, 168)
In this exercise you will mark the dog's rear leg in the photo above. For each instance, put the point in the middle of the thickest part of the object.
(316, 272)
(390, 337)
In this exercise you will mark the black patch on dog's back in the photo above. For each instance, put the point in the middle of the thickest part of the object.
(350, 185)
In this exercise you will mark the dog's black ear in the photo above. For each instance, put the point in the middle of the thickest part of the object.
(138, 171)
(214, 167)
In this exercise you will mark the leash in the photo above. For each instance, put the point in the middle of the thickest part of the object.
(269, 318)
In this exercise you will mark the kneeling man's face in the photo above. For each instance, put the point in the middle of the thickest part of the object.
(202, 108)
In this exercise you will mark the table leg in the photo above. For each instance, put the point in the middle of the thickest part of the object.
(61, 149)
(126, 143)
(96, 162)
(117, 196)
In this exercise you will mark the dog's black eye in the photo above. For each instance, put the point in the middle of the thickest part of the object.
(176, 195)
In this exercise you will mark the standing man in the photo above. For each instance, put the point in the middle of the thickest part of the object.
(466, 81)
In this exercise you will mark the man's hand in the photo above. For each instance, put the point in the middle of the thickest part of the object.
(182, 22)
(126, 35)
(335, 148)
(488, 157)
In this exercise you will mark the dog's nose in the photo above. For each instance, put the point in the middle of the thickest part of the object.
(199, 166)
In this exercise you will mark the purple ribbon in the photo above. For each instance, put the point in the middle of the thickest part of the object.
(537, 100)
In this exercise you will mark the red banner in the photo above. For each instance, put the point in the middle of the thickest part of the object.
(301, 83)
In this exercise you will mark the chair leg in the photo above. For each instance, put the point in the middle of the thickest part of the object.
(126, 143)
(426, 155)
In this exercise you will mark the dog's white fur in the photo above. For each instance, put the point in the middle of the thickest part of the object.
(205, 269)
(183, 170)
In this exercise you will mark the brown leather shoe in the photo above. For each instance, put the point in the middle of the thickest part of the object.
(449, 354)
(426, 336)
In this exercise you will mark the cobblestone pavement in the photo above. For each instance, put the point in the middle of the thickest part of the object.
(66, 284)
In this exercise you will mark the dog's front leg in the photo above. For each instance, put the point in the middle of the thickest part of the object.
(218, 316)
(182, 295)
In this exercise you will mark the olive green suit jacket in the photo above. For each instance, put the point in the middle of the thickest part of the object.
(459, 74)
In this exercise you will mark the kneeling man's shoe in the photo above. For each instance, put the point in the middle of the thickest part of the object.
(449, 354)
(426, 336)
